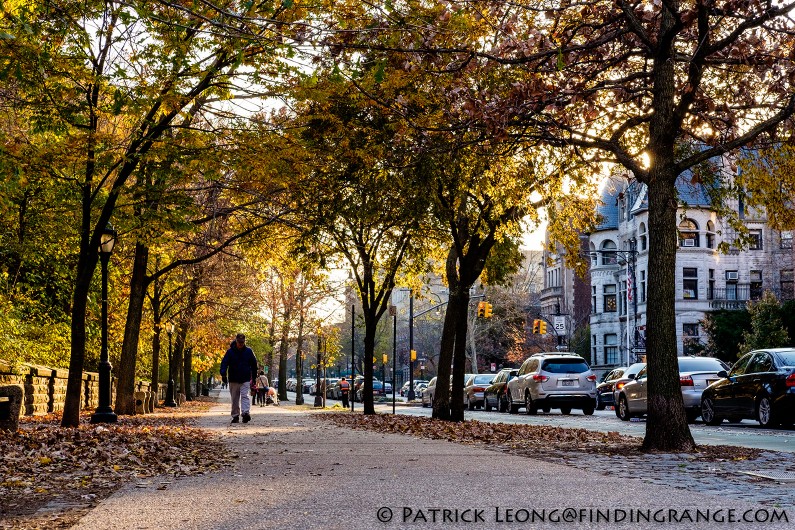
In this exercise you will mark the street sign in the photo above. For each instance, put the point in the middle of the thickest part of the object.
(559, 323)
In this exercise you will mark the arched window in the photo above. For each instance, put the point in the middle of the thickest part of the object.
(710, 234)
(688, 234)
(642, 231)
(608, 249)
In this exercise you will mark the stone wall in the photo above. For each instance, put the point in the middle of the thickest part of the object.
(45, 388)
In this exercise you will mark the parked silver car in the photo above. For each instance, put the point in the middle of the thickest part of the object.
(695, 375)
(553, 380)
(428, 393)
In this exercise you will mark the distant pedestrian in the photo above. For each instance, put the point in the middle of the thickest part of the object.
(241, 363)
(262, 388)
(345, 388)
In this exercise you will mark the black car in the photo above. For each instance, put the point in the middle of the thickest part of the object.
(494, 395)
(604, 390)
(760, 386)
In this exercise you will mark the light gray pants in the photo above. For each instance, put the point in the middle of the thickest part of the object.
(241, 398)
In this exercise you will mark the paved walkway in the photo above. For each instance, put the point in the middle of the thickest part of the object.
(287, 469)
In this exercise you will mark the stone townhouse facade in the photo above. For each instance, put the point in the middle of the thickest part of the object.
(706, 279)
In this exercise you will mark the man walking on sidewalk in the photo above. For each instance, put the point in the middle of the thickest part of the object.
(242, 366)
(345, 387)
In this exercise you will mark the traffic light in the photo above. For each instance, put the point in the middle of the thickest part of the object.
(481, 309)
(536, 326)
(542, 327)
(487, 310)
(385, 358)
(413, 355)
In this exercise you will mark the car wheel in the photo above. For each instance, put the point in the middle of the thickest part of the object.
(708, 412)
(486, 403)
(565, 410)
(530, 408)
(764, 412)
(623, 409)
(513, 409)
(588, 411)
(546, 409)
(502, 404)
(599, 404)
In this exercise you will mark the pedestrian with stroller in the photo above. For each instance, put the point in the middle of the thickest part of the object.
(262, 388)
(241, 365)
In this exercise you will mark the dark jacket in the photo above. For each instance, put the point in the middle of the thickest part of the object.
(242, 364)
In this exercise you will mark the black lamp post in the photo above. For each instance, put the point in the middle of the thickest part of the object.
(170, 389)
(411, 346)
(104, 412)
(318, 397)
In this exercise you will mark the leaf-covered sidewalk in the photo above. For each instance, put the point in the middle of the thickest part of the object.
(50, 476)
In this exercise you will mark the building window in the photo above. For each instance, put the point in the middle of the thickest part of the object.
(609, 294)
(711, 285)
(609, 253)
(593, 299)
(731, 284)
(642, 286)
(611, 348)
(756, 285)
(690, 284)
(787, 278)
(642, 230)
(710, 234)
(688, 233)
(690, 339)
(786, 239)
(755, 240)
(595, 359)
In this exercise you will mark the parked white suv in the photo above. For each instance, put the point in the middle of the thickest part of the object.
(553, 380)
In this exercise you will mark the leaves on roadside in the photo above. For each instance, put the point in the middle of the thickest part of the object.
(519, 438)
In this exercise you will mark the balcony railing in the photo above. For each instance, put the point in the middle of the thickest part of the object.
(738, 296)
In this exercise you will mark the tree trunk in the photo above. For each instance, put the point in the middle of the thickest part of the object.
(158, 327)
(187, 369)
(370, 324)
(459, 358)
(125, 384)
(74, 384)
(666, 426)
(441, 399)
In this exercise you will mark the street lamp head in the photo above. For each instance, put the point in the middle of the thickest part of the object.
(107, 240)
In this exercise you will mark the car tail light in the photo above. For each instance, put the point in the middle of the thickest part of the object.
(686, 381)
(477, 389)
(591, 378)
(540, 378)
(790, 381)
(620, 385)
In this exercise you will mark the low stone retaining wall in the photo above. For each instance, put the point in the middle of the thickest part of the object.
(44, 389)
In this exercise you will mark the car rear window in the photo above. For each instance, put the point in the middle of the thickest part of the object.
(700, 363)
(483, 379)
(564, 366)
(788, 357)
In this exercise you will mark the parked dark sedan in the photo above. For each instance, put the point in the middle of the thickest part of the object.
(604, 390)
(494, 395)
(760, 386)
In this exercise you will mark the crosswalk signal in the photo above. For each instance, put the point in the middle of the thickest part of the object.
(536, 327)
(487, 310)
(481, 309)
(542, 327)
